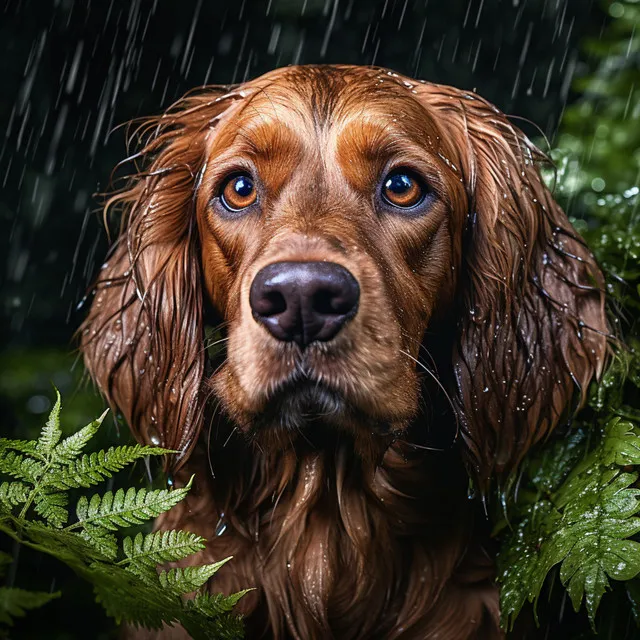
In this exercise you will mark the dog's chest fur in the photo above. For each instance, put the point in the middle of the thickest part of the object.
(334, 550)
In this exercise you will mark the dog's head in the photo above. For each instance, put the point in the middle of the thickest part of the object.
(332, 217)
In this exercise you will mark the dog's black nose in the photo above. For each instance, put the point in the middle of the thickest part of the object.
(304, 301)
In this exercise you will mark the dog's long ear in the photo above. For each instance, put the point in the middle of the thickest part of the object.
(530, 300)
(143, 337)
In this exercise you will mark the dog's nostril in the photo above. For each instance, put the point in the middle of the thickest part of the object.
(325, 302)
(304, 302)
(271, 304)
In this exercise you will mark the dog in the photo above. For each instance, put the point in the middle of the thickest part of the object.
(400, 309)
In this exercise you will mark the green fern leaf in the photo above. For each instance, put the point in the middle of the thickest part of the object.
(125, 579)
(105, 543)
(16, 602)
(23, 446)
(593, 538)
(161, 546)
(213, 605)
(16, 465)
(51, 433)
(74, 549)
(13, 494)
(91, 469)
(199, 625)
(129, 599)
(585, 527)
(622, 444)
(125, 509)
(189, 579)
(71, 447)
(51, 506)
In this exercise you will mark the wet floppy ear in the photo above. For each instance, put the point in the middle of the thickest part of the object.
(143, 337)
(532, 326)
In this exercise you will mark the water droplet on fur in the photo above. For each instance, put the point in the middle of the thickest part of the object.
(154, 437)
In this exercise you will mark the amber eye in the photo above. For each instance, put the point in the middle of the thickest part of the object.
(238, 192)
(403, 189)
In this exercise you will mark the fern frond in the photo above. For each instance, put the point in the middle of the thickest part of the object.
(72, 548)
(228, 627)
(125, 578)
(12, 494)
(216, 604)
(584, 526)
(18, 466)
(71, 447)
(105, 543)
(51, 506)
(189, 579)
(211, 616)
(91, 469)
(15, 603)
(125, 509)
(23, 446)
(51, 433)
(160, 546)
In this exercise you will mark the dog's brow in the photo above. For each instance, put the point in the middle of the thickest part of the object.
(266, 140)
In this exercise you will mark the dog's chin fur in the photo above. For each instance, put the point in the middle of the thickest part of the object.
(308, 415)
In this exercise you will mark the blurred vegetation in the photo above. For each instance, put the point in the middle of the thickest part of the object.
(73, 70)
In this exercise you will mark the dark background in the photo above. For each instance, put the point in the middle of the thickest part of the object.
(71, 70)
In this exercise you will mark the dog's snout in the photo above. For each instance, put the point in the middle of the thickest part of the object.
(304, 302)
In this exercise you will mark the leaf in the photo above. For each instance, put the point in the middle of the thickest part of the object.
(585, 527)
(51, 433)
(12, 494)
(91, 469)
(622, 444)
(72, 446)
(23, 446)
(124, 577)
(215, 604)
(16, 602)
(525, 560)
(552, 467)
(51, 506)
(125, 509)
(161, 546)
(74, 549)
(592, 561)
(105, 543)
(188, 579)
(15, 465)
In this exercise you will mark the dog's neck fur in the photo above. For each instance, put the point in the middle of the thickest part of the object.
(339, 548)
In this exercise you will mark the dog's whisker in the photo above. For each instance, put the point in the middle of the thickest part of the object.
(226, 442)
(435, 379)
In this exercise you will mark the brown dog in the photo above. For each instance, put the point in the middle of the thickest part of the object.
(398, 293)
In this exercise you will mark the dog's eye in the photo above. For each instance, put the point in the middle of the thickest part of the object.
(238, 192)
(402, 188)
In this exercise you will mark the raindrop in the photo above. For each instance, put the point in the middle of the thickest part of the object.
(221, 525)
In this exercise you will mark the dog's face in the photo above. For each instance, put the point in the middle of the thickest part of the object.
(331, 216)
(326, 222)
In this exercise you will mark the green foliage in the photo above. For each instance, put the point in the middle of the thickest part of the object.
(584, 523)
(125, 573)
(576, 514)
